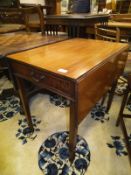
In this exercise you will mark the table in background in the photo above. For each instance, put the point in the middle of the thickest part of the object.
(79, 69)
(20, 41)
(76, 24)
(6, 28)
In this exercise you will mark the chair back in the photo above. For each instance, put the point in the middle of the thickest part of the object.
(108, 34)
(33, 17)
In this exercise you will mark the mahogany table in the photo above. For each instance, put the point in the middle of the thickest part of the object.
(76, 24)
(79, 69)
(7, 28)
(21, 41)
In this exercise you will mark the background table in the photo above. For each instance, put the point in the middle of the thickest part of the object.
(20, 41)
(76, 24)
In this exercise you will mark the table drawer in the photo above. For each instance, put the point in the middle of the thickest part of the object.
(44, 79)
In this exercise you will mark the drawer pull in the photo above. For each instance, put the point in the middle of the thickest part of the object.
(36, 77)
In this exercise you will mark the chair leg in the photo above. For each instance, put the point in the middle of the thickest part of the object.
(122, 107)
(128, 145)
(103, 99)
(129, 100)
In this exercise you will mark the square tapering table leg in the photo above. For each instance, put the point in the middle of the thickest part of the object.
(24, 101)
(73, 129)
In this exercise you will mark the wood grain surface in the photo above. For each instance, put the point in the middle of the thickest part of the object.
(75, 56)
(20, 41)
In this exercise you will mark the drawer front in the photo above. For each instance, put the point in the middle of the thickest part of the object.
(44, 79)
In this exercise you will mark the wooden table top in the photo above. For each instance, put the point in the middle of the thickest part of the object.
(119, 24)
(5, 28)
(77, 16)
(20, 41)
(71, 58)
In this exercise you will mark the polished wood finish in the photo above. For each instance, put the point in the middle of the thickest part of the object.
(8, 28)
(94, 68)
(76, 24)
(20, 41)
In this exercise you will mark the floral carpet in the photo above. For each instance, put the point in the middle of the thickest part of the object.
(54, 155)
(48, 144)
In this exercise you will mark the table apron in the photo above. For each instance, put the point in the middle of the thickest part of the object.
(45, 80)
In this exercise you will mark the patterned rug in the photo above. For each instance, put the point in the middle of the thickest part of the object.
(119, 145)
(103, 137)
(99, 113)
(24, 133)
(60, 101)
(9, 103)
(54, 156)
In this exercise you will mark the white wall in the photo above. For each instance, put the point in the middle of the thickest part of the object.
(33, 1)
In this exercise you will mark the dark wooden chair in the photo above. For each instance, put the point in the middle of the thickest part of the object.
(122, 115)
(34, 18)
(113, 35)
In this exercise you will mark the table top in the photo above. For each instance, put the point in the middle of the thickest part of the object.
(20, 41)
(119, 24)
(5, 28)
(77, 16)
(71, 58)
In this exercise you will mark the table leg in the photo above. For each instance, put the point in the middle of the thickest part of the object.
(24, 101)
(73, 130)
